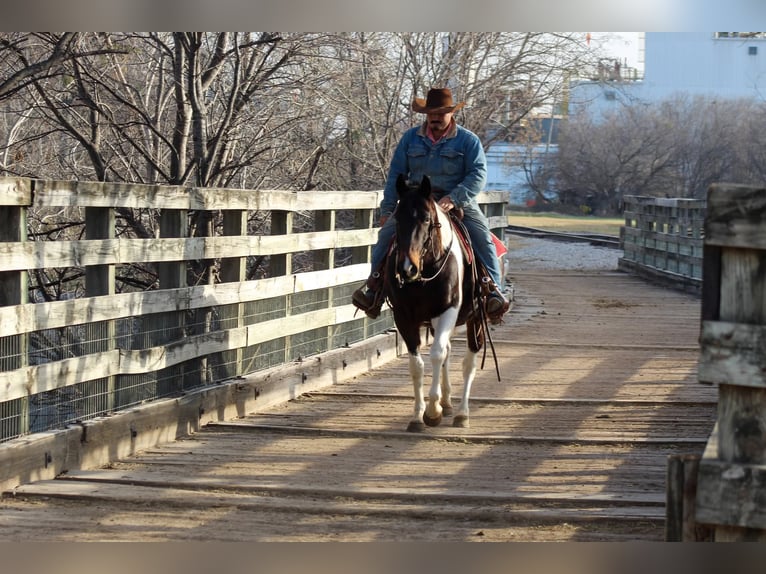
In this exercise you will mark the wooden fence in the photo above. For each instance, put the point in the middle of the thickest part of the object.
(730, 496)
(111, 348)
(663, 240)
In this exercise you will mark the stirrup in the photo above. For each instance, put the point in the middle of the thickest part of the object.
(369, 297)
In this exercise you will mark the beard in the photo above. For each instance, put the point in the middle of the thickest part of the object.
(438, 125)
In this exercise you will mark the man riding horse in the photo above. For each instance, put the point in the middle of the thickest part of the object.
(453, 158)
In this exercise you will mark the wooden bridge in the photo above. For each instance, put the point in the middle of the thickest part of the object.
(599, 386)
(236, 395)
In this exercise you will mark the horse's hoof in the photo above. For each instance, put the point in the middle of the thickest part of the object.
(432, 422)
(460, 421)
(447, 411)
(416, 426)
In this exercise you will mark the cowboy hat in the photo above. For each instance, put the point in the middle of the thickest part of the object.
(438, 100)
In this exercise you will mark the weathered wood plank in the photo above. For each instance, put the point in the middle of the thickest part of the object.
(733, 353)
(37, 316)
(731, 494)
(496, 422)
(50, 193)
(736, 216)
(425, 506)
(42, 255)
(97, 194)
(15, 192)
(237, 480)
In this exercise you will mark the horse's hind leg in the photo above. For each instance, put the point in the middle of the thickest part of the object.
(475, 336)
(469, 372)
(446, 388)
(446, 400)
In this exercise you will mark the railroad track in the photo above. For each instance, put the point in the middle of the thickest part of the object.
(597, 239)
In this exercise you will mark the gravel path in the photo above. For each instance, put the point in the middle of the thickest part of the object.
(532, 254)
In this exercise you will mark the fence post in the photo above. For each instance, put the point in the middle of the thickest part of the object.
(163, 328)
(233, 270)
(325, 221)
(100, 280)
(14, 352)
(681, 492)
(363, 219)
(282, 224)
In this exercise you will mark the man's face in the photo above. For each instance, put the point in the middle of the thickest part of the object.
(439, 121)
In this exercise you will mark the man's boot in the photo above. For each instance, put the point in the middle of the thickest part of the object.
(497, 305)
(369, 297)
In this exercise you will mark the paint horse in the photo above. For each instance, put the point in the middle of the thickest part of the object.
(430, 281)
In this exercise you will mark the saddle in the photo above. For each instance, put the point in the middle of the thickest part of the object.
(456, 216)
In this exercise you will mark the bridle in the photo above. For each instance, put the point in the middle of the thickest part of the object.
(434, 227)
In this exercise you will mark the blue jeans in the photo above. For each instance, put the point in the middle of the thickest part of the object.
(478, 228)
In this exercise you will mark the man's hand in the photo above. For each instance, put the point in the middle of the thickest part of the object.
(383, 219)
(446, 203)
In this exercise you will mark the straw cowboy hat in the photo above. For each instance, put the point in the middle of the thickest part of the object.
(438, 100)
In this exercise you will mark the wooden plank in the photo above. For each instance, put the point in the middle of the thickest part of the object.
(731, 494)
(28, 380)
(735, 217)
(174, 497)
(681, 524)
(42, 255)
(711, 283)
(743, 285)
(741, 424)
(15, 191)
(38, 316)
(650, 502)
(733, 353)
(466, 437)
(97, 194)
(49, 193)
(528, 414)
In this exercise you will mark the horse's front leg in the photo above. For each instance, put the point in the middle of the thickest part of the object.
(440, 353)
(417, 368)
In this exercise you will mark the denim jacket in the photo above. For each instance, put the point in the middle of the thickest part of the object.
(455, 164)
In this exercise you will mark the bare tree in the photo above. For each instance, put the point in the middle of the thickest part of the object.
(504, 78)
(257, 110)
(675, 148)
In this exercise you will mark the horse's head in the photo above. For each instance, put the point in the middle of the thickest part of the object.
(417, 229)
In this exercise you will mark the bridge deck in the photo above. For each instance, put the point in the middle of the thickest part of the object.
(598, 387)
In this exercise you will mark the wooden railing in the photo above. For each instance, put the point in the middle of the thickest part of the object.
(111, 348)
(663, 240)
(732, 472)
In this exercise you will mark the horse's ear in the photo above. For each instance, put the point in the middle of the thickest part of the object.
(401, 184)
(425, 187)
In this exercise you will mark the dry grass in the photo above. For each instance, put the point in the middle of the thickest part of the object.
(568, 223)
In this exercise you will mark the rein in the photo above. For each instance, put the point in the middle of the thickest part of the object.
(444, 257)
(445, 254)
